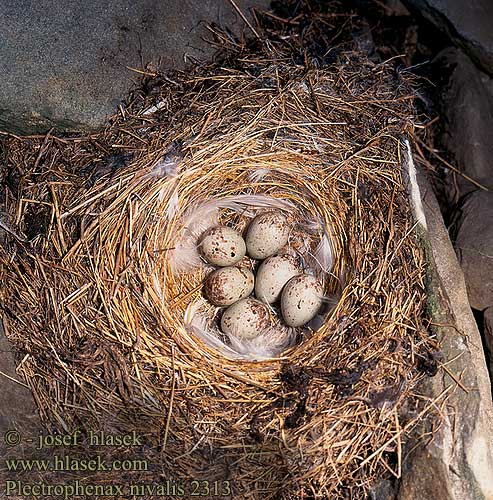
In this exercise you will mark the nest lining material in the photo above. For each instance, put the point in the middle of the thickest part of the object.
(93, 304)
(309, 240)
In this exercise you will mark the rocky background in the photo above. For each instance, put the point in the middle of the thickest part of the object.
(68, 64)
(462, 72)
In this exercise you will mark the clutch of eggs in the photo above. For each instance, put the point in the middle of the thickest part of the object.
(278, 278)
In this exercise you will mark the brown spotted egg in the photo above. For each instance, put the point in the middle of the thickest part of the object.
(267, 234)
(222, 246)
(301, 299)
(272, 275)
(245, 319)
(227, 285)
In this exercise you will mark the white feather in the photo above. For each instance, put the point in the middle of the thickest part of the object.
(153, 109)
(259, 174)
(185, 255)
(198, 324)
(197, 219)
(311, 226)
(318, 146)
(322, 258)
(167, 166)
(268, 345)
(173, 205)
(323, 254)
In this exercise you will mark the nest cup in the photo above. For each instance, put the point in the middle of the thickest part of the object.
(115, 344)
(179, 273)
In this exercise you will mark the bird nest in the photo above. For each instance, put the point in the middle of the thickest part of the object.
(102, 291)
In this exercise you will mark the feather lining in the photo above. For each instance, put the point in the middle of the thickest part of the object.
(269, 344)
(323, 254)
(197, 219)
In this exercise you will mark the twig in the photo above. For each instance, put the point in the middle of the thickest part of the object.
(451, 167)
(232, 2)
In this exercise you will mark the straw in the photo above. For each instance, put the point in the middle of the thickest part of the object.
(92, 302)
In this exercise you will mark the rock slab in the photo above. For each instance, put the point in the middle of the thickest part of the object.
(17, 407)
(488, 339)
(65, 64)
(466, 104)
(474, 247)
(466, 22)
(457, 463)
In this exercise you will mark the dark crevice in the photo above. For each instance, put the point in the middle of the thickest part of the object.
(487, 341)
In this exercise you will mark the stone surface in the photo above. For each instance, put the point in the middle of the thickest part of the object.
(64, 64)
(457, 463)
(474, 247)
(466, 104)
(467, 23)
(17, 407)
(383, 490)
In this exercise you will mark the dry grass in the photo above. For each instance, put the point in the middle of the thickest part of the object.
(90, 301)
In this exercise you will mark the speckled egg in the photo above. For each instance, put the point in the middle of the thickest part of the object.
(301, 299)
(222, 246)
(245, 319)
(272, 275)
(227, 285)
(267, 234)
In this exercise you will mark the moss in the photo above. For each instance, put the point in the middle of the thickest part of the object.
(433, 298)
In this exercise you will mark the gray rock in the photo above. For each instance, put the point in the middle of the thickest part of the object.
(474, 247)
(467, 106)
(65, 64)
(383, 490)
(425, 476)
(466, 22)
(458, 461)
(17, 408)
